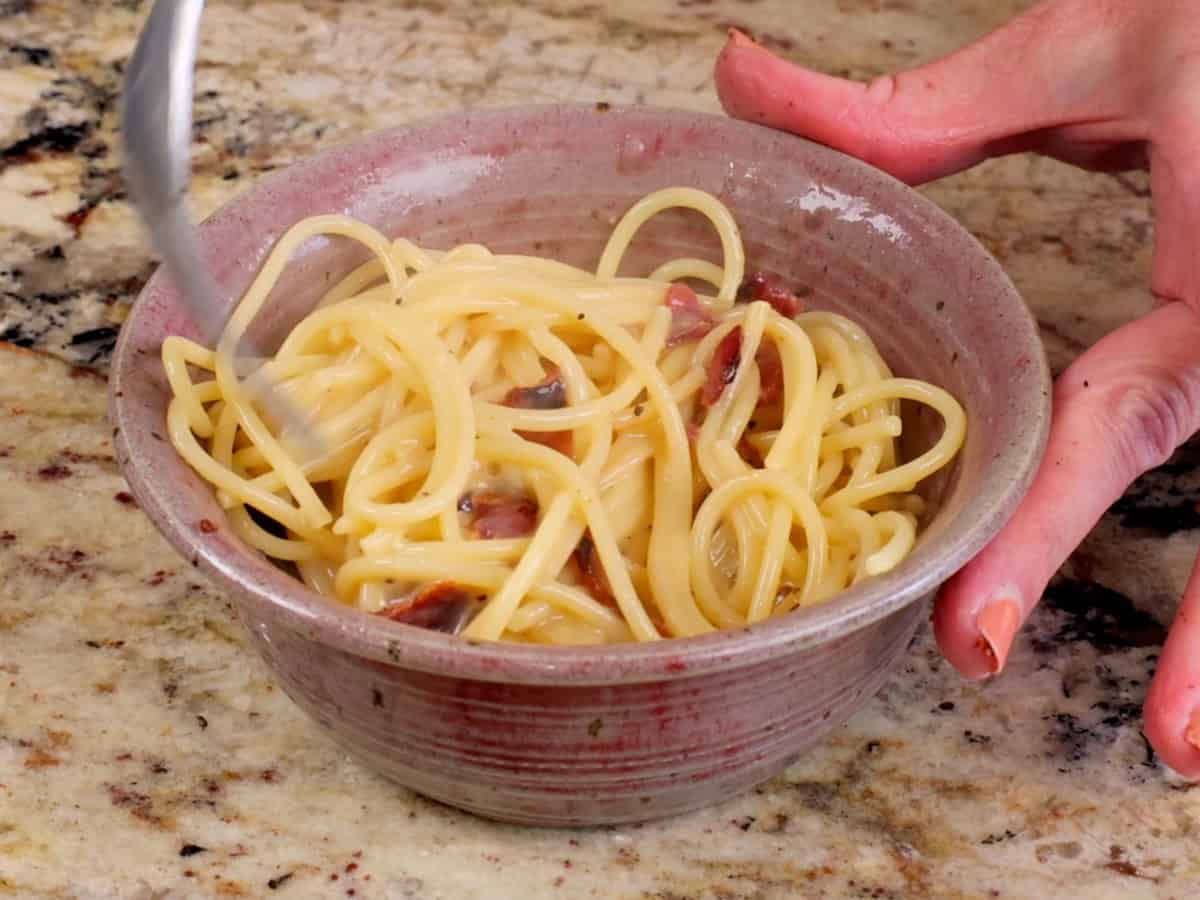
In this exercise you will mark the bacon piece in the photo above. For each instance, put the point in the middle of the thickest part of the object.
(690, 319)
(562, 441)
(500, 514)
(770, 373)
(749, 453)
(722, 366)
(549, 393)
(441, 606)
(590, 572)
(761, 286)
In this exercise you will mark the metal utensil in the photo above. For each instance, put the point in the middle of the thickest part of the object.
(156, 130)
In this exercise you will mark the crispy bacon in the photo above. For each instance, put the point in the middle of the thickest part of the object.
(690, 319)
(500, 514)
(762, 286)
(441, 606)
(590, 572)
(770, 373)
(549, 393)
(722, 366)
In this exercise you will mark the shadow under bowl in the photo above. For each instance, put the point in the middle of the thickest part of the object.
(586, 736)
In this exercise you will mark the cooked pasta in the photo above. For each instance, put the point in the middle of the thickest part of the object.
(569, 456)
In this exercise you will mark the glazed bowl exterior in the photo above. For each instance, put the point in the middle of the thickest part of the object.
(585, 736)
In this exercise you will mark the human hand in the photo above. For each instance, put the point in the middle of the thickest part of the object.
(1105, 84)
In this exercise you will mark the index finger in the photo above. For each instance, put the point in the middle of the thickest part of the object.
(1053, 66)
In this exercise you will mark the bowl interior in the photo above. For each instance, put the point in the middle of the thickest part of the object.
(553, 181)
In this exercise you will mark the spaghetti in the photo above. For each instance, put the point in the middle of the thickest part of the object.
(572, 457)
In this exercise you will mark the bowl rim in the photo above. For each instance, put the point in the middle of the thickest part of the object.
(362, 635)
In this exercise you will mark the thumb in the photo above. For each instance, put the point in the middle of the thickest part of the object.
(1121, 409)
(1047, 68)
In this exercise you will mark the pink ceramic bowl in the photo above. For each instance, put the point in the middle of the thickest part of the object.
(590, 736)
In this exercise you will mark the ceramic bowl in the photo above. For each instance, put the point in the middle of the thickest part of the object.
(572, 736)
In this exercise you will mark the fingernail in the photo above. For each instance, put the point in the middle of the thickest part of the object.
(998, 623)
(1192, 734)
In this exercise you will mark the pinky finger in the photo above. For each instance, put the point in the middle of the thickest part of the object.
(1172, 713)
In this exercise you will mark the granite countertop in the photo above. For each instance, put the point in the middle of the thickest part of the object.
(145, 751)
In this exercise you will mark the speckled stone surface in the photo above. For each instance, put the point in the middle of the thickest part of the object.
(144, 750)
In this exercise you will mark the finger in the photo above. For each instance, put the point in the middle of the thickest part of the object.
(1122, 408)
(1175, 183)
(1172, 713)
(1050, 67)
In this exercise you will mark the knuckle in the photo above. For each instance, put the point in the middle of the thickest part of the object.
(1147, 418)
(884, 132)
